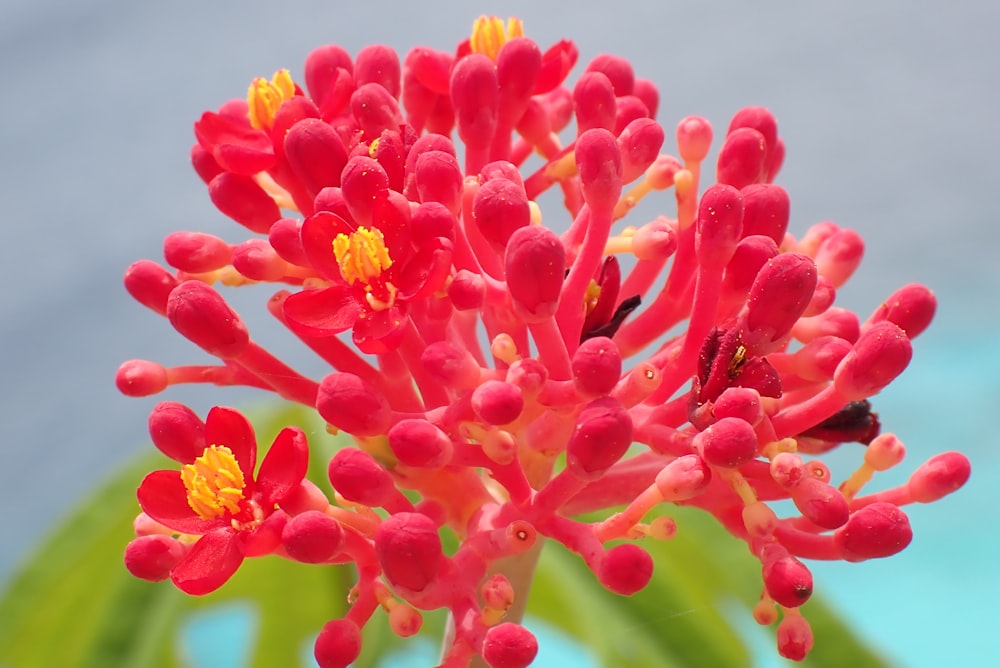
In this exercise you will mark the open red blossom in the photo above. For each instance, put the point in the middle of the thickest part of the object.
(218, 497)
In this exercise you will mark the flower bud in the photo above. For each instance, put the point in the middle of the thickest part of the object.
(875, 531)
(787, 580)
(312, 537)
(839, 255)
(911, 307)
(375, 110)
(881, 354)
(321, 68)
(821, 503)
(742, 158)
(602, 435)
(823, 297)
(535, 264)
(939, 476)
(404, 620)
(750, 256)
(728, 443)
(739, 402)
(419, 443)
(467, 290)
(429, 221)
(683, 478)
(834, 321)
(359, 478)
(202, 316)
(351, 404)
(594, 99)
(150, 284)
(719, 226)
(655, 240)
(884, 452)
(646, 90)
(243, 200)
(363, 182)
(475, 96)
(438, 178)
(761, 120)
(500, 208)
(408, 548)
(639, 144)
(780, 294)
(794, 637)
(694, 138)
(597, 366)
(196, 252)
(787, 470)
(379, 64)
(766, 212)
(497, 592)
(316, 154)
(177, 431)
(451, 365)
(338, 644)
(528, 374)
(286, 240)
(153, 557)
(509, 645)
(625, 569)
(497, 402)
(141, 378)
(599, 164)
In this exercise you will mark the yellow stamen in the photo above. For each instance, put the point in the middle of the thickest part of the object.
(591, 295)
(214, 483)
(489, 34)
(362, 256)
(264, 97)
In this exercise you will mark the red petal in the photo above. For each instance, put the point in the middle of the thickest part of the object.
(427, 270)
(210, 563)
(377, 332)
(318, 232)
(163, 497)
(284, 466)
(322, 312)
(228, 427)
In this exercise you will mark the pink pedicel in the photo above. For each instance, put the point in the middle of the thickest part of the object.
(499, 368)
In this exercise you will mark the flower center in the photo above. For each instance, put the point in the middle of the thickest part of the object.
(214, 483)
(489, 34)
(362, 256)
(264, 97)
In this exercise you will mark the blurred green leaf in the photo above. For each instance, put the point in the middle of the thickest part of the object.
(74, 604)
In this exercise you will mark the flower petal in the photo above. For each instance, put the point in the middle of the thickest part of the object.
(377, 332)
(318, 232)
(284, 466)
(228, 427)
(322, 312)
(210, 563)
(163, 496)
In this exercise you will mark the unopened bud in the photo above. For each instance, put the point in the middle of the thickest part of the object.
(243, 200)
(939, 476)
(196, 252)
(839, 255)
(683, 478)
(475, 95)
(794, 637)
(451, 365)
(882, 353)
(728, 443)
(150, 284)
(911, 307)
(875, 531)
(821, 503)
(742, 158)
(509, 645)
(338, 644)
(351, 404)
(359, 478)
(438, 178)
(779, 296)
(141, 378)
(719, 226)
(597, 366)
(153, 557)
(311, 537)
(766, 212)
(202, 316)
(787, 580)
(594, 99)
(420, 443)
(739, 402)
(599, 164)
(639, 144)
(694, 138)
(497, 402)
(602, 435)
(364, 181)
(408, 548)
(625, 569)
(177, 431)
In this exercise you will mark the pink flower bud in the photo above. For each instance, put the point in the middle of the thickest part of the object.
(911, 307)
(535, 263)
(500, 208)
(177, 431)
(750, 256)
(594, 99)
(683, 478)
(467, 290)
(497, 592)
(628, 109)
(599, 164)
(509, 645)
(351, 404)
(363, 182)
(316, 154)
(821, 503)
(625, 569)
(766, 211)
(196, 252)
(655, 240)
(202, 316)
(819, 359)
(728, 443)
(379, 64)
(420, 443)
(375, 110)
(286, 240)
(780, 294)
(528, 374)
(518, 64)
(153, 557)
(497, 402)
(243, 200)
(312, 537)
(150, 284)
(359, 478)
(430, 221)
(404, 620)
(939, 476)
(694, 138)
(618, 70)
(602, 435)
(338, 644)
(321, 68)
(884, 452)
(639, 144)
(787, 580)
(451, 365)
(739, 402)
(823, 297)
(787, 470)
(597, 366)
(835, 321)
(438, 178)
(761, 120)
(794, 637)
(646, 90)
(741, 159)
(881, 354)
(875, 531)
(839, 255)
(719, 226)
(475, 95)
(256, 259)
(141, 378)
(408, 548)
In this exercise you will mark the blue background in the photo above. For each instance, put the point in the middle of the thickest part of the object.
(888, 110)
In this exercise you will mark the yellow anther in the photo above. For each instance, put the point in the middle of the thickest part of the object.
(265, 97)
(214, 483)
(591, 295)
(489, 34)
(373, 148)
(362, 256)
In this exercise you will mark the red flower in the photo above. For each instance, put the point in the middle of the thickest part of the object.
(217, 497)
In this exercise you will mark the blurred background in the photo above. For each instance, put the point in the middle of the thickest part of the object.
(888, 111)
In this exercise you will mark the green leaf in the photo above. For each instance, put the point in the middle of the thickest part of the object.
(74, 604)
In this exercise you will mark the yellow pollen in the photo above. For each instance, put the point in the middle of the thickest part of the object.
(362, 256)
(489, 34)
(373, 148)
(592, 294)
(214, 483)
(264, 97)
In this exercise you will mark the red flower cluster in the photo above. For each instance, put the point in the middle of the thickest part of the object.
(366, 213)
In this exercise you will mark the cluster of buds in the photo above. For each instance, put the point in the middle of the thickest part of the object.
(698, 359)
